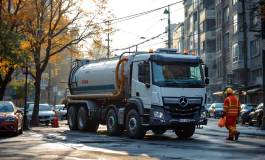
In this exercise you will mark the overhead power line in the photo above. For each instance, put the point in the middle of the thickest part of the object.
(140, 43)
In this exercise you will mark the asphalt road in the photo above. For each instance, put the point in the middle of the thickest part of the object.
(61, 143)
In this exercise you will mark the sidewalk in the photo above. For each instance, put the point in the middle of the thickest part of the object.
(249, 130)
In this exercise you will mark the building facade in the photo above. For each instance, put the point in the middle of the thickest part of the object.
(230, 49)
(178, 37)
(200, 36)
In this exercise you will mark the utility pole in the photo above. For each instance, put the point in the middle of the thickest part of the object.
(49, 84)
(245, 51)
(168, 13)
(262, 8)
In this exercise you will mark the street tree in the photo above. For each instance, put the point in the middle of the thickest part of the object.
(12, 55)
(54, 26)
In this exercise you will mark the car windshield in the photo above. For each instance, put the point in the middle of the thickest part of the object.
(219, 105)
(207, 106)
(59, 107)
(6, 107)
(178, 75)
(250, 106)
(42, 107)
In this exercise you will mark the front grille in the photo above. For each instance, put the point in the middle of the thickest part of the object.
(44, 117)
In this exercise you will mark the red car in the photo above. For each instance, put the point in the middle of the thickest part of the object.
(11, 119)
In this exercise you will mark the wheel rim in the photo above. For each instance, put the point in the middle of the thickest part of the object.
(111, 122)
(132, 124)
(81, 118)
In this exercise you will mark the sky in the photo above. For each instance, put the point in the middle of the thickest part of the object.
(147, 26)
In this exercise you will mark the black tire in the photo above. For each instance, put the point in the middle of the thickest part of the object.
(16, 133)
(82, 119)
(114, 129)
(159, 130)
(185, 131)
(133, 125)
(84, 123)
(72, 120)
(47, 123)
(250, 122)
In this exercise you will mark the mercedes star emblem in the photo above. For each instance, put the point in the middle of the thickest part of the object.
(183, 101)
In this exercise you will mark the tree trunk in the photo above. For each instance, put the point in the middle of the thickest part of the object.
(3, 83)
(35, 115)
(2, 90)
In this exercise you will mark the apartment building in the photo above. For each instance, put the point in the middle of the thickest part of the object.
(178, 37)
(230, 49)
(199, 36)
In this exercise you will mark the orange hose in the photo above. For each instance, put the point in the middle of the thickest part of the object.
(117, 71)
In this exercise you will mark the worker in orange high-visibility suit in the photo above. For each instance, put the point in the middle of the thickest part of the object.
(231, 111)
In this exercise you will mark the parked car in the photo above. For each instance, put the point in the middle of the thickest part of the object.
(46, 115)
(207, 106)
(216, 110)
(62, 110)
(245, 110)
(11, 119)
(256, 115)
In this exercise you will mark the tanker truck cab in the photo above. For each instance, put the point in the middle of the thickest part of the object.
(144, 91)
(173, 88)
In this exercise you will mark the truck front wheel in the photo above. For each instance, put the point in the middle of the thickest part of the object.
(72, 118)
(133, 125)
(185, 131)
(114, 129)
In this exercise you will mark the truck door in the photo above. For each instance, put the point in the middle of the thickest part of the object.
(141, 82)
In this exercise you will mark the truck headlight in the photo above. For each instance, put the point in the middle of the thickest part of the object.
(158, 114)
(10, 120)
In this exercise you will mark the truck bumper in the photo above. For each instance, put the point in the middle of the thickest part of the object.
(160, 117)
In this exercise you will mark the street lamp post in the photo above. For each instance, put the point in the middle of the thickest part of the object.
(168, 12)
(25, 70)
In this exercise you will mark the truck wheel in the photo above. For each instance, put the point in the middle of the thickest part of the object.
(72, 118)
(133, 125)
(82, 119)
(159, 130)
(114, 129)
(185, 131)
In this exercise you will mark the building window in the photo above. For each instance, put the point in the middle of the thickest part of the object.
(254, 48)
(226, 40)
(256, 73)
(203, 47)
(254, 16)
(235, 26)
(235, 52)
(226, 15)
(234, 2)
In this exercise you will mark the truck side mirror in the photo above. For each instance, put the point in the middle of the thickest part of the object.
(206, 71)
(141, 70)
(207, 80)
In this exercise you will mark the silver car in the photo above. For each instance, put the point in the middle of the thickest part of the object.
(216, 110)
(46, 115)
(62, 110)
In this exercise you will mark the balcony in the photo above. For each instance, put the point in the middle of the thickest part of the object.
(208, 35)
(190, 10)
(238, 66)
(207, 14)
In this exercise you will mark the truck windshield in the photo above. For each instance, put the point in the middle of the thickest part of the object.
(178, 75)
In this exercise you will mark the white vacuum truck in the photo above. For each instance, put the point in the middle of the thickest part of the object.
(144, 91)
